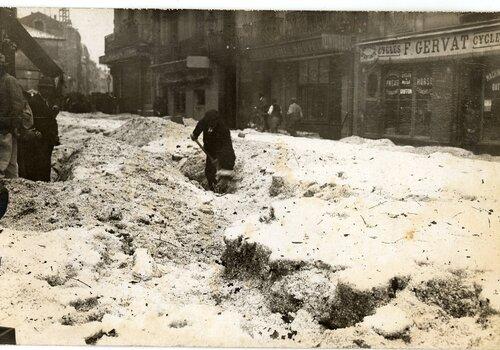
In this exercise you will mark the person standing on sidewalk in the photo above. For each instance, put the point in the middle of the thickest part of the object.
(12, 106)
(294, 115)
(263, 108)
(274, 113)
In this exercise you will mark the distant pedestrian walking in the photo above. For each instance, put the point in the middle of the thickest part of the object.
(275, 116)
(294, 116)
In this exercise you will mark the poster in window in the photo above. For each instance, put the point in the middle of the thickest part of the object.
(324, 70)
(423, 83)
(392, 84)
(406, 87)
(493, 83)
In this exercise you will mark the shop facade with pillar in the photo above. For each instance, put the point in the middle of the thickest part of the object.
(188, 87)
(315, 70)
(436, 87)
(130, 68)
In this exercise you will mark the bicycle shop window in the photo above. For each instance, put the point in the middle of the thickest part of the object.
(398, 101)
(423, 91)
(491, 105)
(200, 96)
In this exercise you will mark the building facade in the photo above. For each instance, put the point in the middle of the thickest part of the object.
(177, 62)
(63, 44)
(27, 73)
(128, 54)
(15, 38)
(429, 78)
(301, 54)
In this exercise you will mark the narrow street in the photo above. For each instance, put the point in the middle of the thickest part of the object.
(351, 243)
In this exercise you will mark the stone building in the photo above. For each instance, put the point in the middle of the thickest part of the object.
(128, 53)
(26, 72)
(421, 76)
(301, 54)
(15, 38)
(179, 61)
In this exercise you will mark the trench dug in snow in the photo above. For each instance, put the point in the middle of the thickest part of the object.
(312, 254)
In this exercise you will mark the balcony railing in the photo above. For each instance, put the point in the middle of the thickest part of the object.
(297, 25)
(213, 44)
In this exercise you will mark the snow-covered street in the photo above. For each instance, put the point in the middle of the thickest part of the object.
(350, 243)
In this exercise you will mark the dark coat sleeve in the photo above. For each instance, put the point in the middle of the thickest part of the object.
(15, 93)
(200, 127)
(225, 152)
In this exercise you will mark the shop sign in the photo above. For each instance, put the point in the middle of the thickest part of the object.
(437, 46)
(323, 43)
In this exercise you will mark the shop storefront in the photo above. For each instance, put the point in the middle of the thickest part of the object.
(436, 87)
(190, 87)
(131, 78)
(313, 70)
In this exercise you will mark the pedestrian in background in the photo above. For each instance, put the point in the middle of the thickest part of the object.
(274, 113)
(12, 106)
(263, 108)
(294, 116)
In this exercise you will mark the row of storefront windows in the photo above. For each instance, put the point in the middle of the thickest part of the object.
(406, 93)
(316, 85)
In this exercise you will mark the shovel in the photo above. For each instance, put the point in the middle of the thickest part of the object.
(213, 160)
(223, 176)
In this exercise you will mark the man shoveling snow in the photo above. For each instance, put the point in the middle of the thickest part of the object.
(217, 146)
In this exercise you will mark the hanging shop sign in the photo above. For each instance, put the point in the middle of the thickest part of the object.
(446, 44)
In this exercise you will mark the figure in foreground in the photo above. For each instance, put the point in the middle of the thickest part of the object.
(217, 144)
(12, 105)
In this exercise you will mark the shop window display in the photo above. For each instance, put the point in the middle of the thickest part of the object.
(407, 93)
(491, 106)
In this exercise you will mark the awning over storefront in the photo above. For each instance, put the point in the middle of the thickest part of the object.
(185, 77)
(325, 43)
(29, 46)
(193, 69)
(124, 54)
(452, 42)
(191, 62)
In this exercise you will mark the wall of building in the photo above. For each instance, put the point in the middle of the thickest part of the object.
(70, 54)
